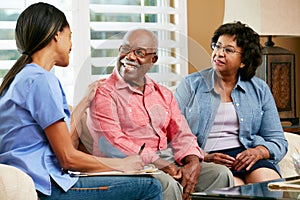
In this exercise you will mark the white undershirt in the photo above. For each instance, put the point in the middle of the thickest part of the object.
(225, 129)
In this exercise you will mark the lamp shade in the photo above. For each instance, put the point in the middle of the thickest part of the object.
(266, 17)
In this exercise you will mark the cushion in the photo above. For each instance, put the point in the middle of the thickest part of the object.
(286, 164)
(15, 184)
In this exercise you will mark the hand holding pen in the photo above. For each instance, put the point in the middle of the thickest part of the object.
(135, 161)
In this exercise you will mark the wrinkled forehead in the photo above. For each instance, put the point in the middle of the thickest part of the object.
(140, 38)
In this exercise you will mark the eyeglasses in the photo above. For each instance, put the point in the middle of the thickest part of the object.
(227, 49)
(139, 52)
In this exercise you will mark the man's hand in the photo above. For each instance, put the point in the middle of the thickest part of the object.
(189, 175)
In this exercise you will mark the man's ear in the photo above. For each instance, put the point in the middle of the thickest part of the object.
(154, 59)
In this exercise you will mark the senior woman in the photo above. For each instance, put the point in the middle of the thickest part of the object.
(232, 112)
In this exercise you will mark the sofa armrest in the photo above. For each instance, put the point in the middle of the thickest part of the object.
(286, 164)
(16, 184)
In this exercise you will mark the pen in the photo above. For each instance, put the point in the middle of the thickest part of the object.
(142, 148)
(64, 171)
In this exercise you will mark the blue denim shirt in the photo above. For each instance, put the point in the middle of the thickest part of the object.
(259, 122)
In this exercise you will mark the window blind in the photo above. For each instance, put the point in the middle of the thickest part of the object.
(9, 12)
(97, 30)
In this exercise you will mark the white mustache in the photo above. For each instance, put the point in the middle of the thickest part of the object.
(128, 62)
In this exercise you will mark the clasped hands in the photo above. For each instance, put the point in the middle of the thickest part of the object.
(245, 159)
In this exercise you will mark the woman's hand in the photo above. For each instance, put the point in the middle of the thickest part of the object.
(131, 163)
(128, 164)
(220, 158)
(92, 88)
(249, 157)
(79, 112)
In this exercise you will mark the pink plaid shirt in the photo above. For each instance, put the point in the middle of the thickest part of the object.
(122, 118)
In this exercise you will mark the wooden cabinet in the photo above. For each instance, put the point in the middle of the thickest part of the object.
(278, 70)
(292, 129)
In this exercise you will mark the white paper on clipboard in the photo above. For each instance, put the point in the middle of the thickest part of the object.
(145, 171)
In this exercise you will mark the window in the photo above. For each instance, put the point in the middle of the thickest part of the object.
(98, 27)
(9, 12)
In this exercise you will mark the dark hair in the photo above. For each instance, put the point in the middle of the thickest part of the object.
(36, 27)
(249, 41)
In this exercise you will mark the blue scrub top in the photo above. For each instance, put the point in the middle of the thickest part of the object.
(34, 100)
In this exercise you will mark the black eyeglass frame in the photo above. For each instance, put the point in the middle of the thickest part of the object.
(135, 51)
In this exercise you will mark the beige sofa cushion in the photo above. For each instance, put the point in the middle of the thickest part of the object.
(286, 164)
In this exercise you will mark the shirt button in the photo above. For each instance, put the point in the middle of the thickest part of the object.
(242, 119)
(190, 110)
(237, 104)
(130, 110)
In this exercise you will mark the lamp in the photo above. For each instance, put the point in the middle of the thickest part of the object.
(272, 18)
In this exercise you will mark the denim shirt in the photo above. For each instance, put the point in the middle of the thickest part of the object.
(259, 122)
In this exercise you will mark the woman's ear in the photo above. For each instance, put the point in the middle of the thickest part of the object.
(154, 59)
(57, 36)
(242, 65)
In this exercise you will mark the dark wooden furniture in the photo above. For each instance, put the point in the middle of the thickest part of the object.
(292, 129)
(278, 70)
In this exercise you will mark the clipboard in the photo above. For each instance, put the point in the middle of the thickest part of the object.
(148, 170)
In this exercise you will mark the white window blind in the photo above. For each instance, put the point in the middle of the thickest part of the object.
(9, 12)
(98, 27)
